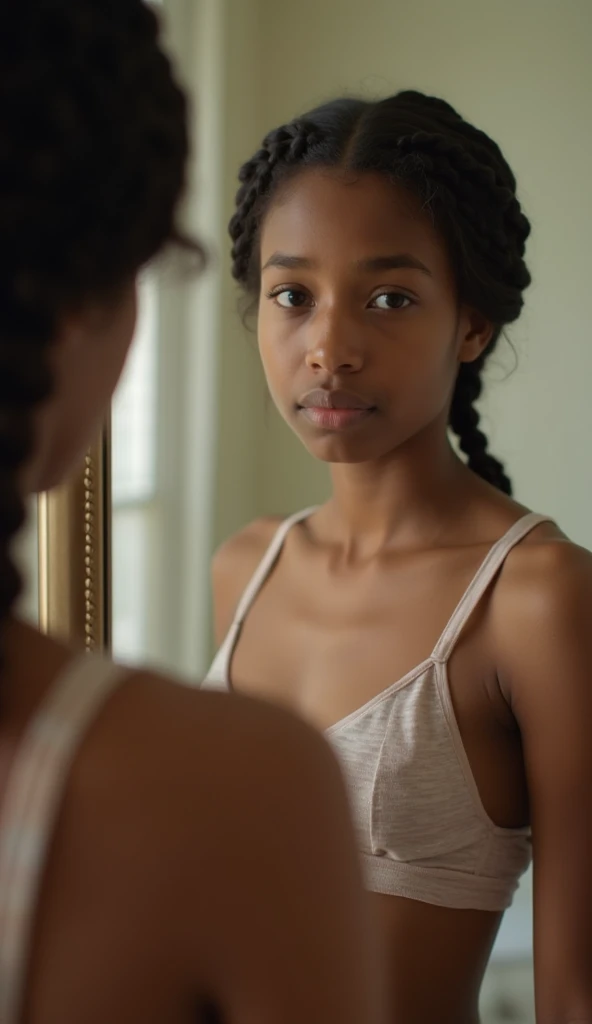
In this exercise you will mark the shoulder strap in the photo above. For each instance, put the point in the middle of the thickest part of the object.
(31, 804)
(266, 564)
(219, 673)
(482, 580)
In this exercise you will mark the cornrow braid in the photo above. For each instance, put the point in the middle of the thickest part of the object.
(461, 177)
(482, 146)
(464, 420)
(451, 164)
(472, 188)
(25, 381)
(93, 154)
(283, 147)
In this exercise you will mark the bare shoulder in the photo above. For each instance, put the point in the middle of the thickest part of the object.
(544, 571)
(185, 828)
(233, 565)
(542, 606)
(202, 762)
(173, 776)
(247, 546)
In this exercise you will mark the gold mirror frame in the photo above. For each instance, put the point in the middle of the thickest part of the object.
(74, 531)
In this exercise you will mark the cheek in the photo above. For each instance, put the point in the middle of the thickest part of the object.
(280, 358)
(426, 375)
(430, 360)
(98, 376)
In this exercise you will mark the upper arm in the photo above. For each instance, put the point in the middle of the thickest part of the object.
(547, 648)
(286, 913)
(233, 565)
(203, 843)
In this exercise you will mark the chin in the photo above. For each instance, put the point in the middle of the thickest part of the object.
(367, 440)
(343, 450)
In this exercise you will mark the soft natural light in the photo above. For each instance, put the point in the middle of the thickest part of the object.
(131, 575)
(134, 409)
(134, 481)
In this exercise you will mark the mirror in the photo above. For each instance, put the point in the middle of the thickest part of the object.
(197, 450)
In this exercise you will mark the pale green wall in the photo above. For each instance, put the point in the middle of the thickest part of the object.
(521, 70)
(241, 390)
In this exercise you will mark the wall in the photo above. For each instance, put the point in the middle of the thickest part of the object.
(241, 390)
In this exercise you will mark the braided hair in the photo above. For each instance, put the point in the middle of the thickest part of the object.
(93, 151)
(462, 179)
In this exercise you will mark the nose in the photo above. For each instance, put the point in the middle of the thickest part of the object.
(334, 346)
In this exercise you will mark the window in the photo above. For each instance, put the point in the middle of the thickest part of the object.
(135, 491)
(165, 415)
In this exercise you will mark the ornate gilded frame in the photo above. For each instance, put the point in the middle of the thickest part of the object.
(74, 536)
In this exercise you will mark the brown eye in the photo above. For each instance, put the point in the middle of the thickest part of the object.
(291, 298)
(391, 300)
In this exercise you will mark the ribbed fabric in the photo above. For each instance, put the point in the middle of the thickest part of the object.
(422, 829)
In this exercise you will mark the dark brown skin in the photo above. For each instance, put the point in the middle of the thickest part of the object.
(363, 588)
(184, 871)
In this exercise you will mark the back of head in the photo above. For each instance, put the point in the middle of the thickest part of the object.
(464, 183)
(92, 163)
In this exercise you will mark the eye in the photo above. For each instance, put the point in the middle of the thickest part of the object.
(290, 298)
(391, 300)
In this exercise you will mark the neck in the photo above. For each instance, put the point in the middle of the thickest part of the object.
(402, 500)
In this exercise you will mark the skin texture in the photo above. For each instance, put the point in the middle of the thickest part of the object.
(364, 587)
(183, 870)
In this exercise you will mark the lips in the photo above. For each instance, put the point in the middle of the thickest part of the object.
(320, 398)
(334, 411)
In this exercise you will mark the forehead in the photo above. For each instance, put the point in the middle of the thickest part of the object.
(326, 214)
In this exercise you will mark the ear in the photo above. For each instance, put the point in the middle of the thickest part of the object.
(474, 335)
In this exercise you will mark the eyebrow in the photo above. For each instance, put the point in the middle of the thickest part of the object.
(399, 261)
(403, 260)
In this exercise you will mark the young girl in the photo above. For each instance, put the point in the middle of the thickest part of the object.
(436, 630)
(156, 854)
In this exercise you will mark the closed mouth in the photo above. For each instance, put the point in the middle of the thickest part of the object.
(337, 399)
(334, 420)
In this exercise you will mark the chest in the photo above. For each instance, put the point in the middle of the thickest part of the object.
(324, 640)
(326, 643)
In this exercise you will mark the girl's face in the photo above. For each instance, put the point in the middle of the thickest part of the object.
(360, 330)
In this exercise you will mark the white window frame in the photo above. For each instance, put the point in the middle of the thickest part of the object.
(180, 507)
